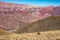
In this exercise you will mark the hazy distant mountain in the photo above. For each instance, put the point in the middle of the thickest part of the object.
(13, 16)
(47, 24)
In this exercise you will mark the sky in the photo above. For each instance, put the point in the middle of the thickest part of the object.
(35, 2)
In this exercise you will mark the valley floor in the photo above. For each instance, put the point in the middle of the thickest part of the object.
(48, 35)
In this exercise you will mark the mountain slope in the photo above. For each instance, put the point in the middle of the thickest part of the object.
(13, 16)
(4, 32)
(47, 24)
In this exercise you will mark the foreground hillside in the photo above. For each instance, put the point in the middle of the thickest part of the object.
(47, 24)
(48, 35)
(4, 32)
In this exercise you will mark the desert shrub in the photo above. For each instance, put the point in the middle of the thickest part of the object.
(57, 39)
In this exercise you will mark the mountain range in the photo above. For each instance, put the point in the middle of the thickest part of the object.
(18, 16)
